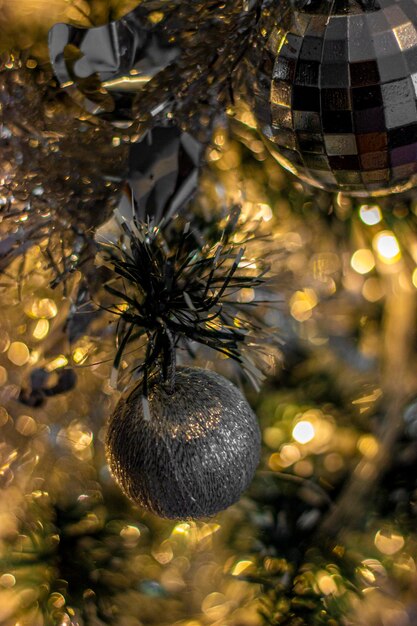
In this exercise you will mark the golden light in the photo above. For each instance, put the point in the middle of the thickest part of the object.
(3, 375)
(26, 425)
(230, 160)
(324, 432)
(248, 264)
(131, 533)
(4, 341)
(367, 575)
(219, 138)
(214, 155)
(4, 416)
(273, 437)
(406, 563)
(7, 580)
(304, 468)
(47, 308)
(241, 567)
(41, 329)
(303, 432)
(34, 357)
(18, 353)
(56, 600)
(389, 543)
(275, 462)
(205, 531)
(372, 290)
(289, 455)
(326, 584)
(83, 440)
(247, 118)
(181, 529)
(387, 247)
(79, 355)
(41, 308)
(246, 295)
(362, 261)
(264, 212)
(78, 438)
(302, 304)
(368, 446)
(60, 361)
(156, 16)
(163, 553)
(215, 606)
(370, 215)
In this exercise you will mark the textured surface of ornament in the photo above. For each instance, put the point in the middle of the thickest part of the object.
(196, 451)
(334, 91)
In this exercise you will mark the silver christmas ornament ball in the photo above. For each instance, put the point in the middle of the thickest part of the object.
(333, 86)
(195, 451)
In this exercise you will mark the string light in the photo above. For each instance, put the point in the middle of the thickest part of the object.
(7, 580)
(387, 247)
(289, 455)
(240, 567)
(26, 425)
(18, 353)
(181, 529)
(368, 446)
(363, 261)
(302, 304)
(57, 363)
(303, 432)
(372, 290)
(370, 215)
(79, 355)
(41, 329)
(389, 542)
(131, 533)
(326, 584)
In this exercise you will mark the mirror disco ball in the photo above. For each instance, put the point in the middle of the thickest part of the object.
(333, 88)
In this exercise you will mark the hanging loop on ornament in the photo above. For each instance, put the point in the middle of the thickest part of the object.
(151, 351)
(169, 358)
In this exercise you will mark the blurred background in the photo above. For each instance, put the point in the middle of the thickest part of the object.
(326, 535)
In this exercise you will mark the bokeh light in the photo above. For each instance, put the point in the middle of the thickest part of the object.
(363, 261)
(370, 214)
(387, 247)
(303, 432)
